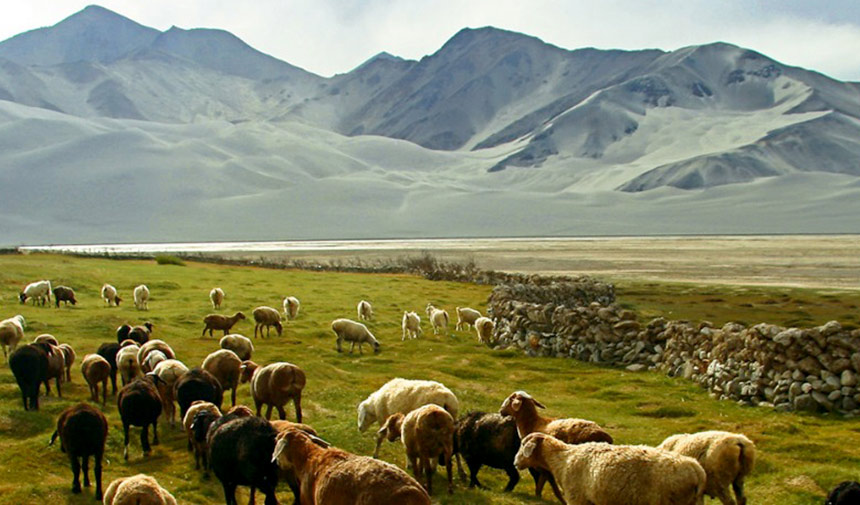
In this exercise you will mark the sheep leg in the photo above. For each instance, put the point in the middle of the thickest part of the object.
(85, 466)
(352, 347)
(113, 380)
(555, 488)
(76, 471)
(58, 379)
(281, 412)
(339, 349)
(197, 452)
(94, 392)
(450, 469)
(125, 434)
(428, 473)
(229, 492)
(513, 478)
(233, 396)
(252, 499)
(297, 402)
(473, 475)
(155, 432)
(97, 473)
(144, 440)
(268, 412)
(738, 486)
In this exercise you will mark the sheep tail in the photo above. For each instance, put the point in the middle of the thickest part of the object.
(445, 313)
(746, 456)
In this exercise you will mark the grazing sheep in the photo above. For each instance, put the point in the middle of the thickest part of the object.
(523, 408)
(169, 371)
(141, 297)
(267, 317)
(404, 396)
(109, 295)
(150, 347)
(39, 291)
(152, 360)
(95, 370)
(196, 422)
(225, 366)
(488, 439)
(466, 317)
(239, 344)
(56, 370)
(139, 489)
(197, 384)
(484, 327)
(122, 333)
(220, 322)
(83, 432)
(69, 359)
(365, 311)
(128, 364)
(217, 297)
(603, 474)
(46, 338)
(329, 475)
(353, 332)
(240, 454)
(108, 351)
(411, 325)
(140, 334)
(291, 308)
(274, 385)
(11, 332)
(64, 294)
(139, 405)
(726, 458)
(438, 318)
(29, 364)
(845, 493)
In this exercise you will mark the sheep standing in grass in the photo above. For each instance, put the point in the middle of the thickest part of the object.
(726, 458)
(95, 370)
(197, 384)
(196, 423)
(155, 345)
(69, 359)
(38, 291)
(291, 308)
(274, 385)
(141, 297)
(225, 366)
(169, 371)
(240, 454)
(127, 363)
(29, 364)
(108, 351)
(411, 325)
(266, 317)
(488, 439)
(56, 370)
(484, 327)
(140, 334)
(404, 396)
(466, 317)
(216, 296)
(365, 311)
(11, 332)
(109, 295)
(83, 432)
(139, 405)
(438, 318)
(46, 338)
(220, 322)
(64, 294)
(241, 345)
(353, 332)
(139, 489)
(845, 493)
(596, 473)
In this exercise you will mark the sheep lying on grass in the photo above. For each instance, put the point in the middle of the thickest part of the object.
(239, 344)
(404, 396)
(596, 473)
(139, 489)
(216, 296)
(726, 458)
(83, 432)
(109, 295)
(466, 317)
(266, 317)
(220, 322)
(355, 333)
(438, 319)
(274, 385)
(411, 325)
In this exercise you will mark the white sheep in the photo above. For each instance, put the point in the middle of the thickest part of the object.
(411, 325)
(39, 291)
(291, 308)
(153, 358)
(216, 296)
(226, 366)
(241, 345)
(11, 332)
(365, 310)
(127, 363)
(139, 489)
(438, 318)
(596, 473)
(266, 317)
(141, 297)
(484, 327)
(404, 396)
(169, 371)
(726, 458)
(466, 317)
(354, 332)
(109, 295)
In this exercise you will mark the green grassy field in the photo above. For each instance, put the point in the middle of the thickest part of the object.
(799, 455)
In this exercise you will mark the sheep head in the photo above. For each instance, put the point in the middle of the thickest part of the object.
(23, 297)
(515, 402)
(288, 439)
(247, 371)
(365, 416)
(529, 455)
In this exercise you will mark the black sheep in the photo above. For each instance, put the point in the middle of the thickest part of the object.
(139, 334)
(488, 439)
(200, 428)
(240, 454)
(140, 405)
(83, 431)
(64, 294)
(29, 364)
(846, 493)
(108, 351)
(197, 384)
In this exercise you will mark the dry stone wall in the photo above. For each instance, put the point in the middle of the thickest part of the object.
(810, 369)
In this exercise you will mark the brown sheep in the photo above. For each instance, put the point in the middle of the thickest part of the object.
(220, 322)
(96, 369)
(83, 432)
(225, 366)
(266, 317)
(274, 385)
(69, 357)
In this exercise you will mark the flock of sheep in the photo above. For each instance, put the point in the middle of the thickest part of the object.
(576, 457)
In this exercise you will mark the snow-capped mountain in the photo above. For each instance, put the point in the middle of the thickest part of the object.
(496, 133)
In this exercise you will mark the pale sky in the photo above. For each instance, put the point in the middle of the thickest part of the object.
(333, 36)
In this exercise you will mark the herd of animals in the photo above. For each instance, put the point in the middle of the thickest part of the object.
(576, 457)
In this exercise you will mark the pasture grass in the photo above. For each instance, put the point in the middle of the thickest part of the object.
(800, 455)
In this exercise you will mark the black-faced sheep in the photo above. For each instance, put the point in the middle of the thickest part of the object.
(64, 294)
(169, 371)
(404, 396)
(225, 366)
(11, 333)
(239, 344)
(466, 317)
(140, 334)
(596, 473)
(197, 384)
(275, 385)
(438, 318)
(95, 370)
(139, 405)
(141, 297)
(108, 351)
(220, 322)
(39, 291)
(291, 308)
(488, 439)
(196, 422)
(726, 458)
(411, 325)
(240, 454)
(69, 359)
(83, 432)
(266, 317)
(109, 295)
(29, 364)
(139, 489)
(364, 310)
(355, 333)
(216, 296)
(845, 493)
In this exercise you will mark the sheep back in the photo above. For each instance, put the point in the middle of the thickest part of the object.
(29, 365)
(197, 384)
(241, 345)
(277, 383)
(139, 489)
(403, 396)
(240, 453)
(488, 439)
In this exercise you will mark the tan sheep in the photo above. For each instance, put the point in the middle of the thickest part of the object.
(438, 318)
(56, 369)
(355, 333)
(225, 366)
(241, 345)
(144, 354)
(221, 322)
(364, 310)
(169, 371)
(95, 370)
(153, 358)
(216, 296)
(139, 489)
(46, 338)
(602, 474)
(726, 458)
(266, 317)
(291, 308)
(274, 385)
(11, 332)
(411, 325)
(69, 357)
(484, 327)
(466, 317)
(127, 363)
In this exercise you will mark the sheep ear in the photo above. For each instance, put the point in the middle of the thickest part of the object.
(538, 404)
(279, 448)
(320, 442)
(529, 448)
